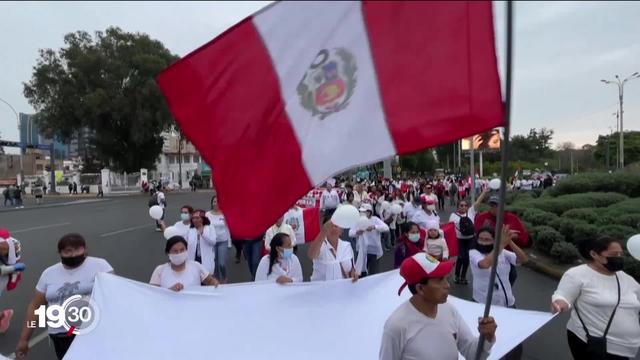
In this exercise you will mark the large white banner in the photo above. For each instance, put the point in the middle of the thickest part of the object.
(310, 321)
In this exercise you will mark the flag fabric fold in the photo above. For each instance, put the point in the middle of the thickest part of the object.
(303, 90)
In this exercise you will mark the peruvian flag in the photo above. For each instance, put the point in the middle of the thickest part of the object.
(304, 90)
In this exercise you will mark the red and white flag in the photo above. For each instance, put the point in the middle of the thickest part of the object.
(304, 90)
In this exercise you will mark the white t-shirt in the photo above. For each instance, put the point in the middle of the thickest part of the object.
(410, 335)
(410, 210)
(220, 225)
(290, 268)
(161, 199)
(58, 283)
(422, 218)
(329, 199)
(183, 230)
(481, 278)
(455, 218)
(273, 230)
(295, 217)
(192, 275)
(327, 267)
(596, 295)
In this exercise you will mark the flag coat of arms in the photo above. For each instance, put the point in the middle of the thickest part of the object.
(301, 91)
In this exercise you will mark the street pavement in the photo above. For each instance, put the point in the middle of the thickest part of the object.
(119, 229)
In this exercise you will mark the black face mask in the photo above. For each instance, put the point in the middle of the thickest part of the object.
(73, 261)
(484, 249)
(614, 263)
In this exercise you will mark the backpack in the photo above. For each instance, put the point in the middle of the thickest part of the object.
(153, 201)
(467, 229)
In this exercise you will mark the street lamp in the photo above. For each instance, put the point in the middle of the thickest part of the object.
(18, 120)
(620, 84)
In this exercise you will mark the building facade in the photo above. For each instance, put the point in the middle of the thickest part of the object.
(176, 156)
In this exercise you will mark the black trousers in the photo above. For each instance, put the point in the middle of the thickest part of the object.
(61, 343)
(579, 349)
(462, 264)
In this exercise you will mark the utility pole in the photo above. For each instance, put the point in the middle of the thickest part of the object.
(180, 160)
(620, 84)
(22, 146)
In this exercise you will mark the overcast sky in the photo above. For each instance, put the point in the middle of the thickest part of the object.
(562, 50)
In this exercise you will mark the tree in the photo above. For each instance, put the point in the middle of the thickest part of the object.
(631, 147)
(532, 147)
(421, 161)
(104, 83)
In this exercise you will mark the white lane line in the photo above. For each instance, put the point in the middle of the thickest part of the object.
(43, 335)
(126, 230)
(39, 228)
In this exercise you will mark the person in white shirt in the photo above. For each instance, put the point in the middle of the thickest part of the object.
(180, 272)
(161, 200)
(278, 227)
(426, 213)
(465, 234)
(329, 201)
(429, 194)
(73, 275)
(332, 258)
(223, 239)
(281, 265)
(369, 242)
(435, 244)
(426, 326)
(201, 241)
(295, 218)
(411, 208)
(360, 196)
(184, 224)
(599, 292)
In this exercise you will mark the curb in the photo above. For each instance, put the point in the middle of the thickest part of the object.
(48, 206)
(543, 268)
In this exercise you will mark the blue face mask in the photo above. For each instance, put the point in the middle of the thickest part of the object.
(287, 253)
(414, 237)
(185, 217)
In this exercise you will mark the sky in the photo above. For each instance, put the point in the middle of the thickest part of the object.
(561, 52)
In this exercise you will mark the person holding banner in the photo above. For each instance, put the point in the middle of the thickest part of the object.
(606, 301)
(180, 272)
(281, 265)
(426, 326)
(332, 258)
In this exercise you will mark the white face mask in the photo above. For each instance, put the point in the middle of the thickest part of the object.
(178, 259)
(431, 207)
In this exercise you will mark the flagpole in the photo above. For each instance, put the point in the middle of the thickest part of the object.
(503, 175)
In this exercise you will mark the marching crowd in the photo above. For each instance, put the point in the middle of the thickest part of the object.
(403, 216)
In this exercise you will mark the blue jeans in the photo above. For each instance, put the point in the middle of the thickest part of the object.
(221, 250)
(253, 253)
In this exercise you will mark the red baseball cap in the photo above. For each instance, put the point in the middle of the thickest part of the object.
(421, 266)
(4, 233)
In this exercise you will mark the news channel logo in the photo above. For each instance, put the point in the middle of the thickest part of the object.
(78, 315)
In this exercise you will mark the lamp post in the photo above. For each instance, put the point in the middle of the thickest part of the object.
(620, 84)
(18, 121)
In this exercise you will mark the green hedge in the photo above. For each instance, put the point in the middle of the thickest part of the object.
(567, 226)
(632, 267)
(562, 204)
(625, 183)
(584, 231)
(538, 217)
(631, 206)
(564, 252)
(589, 215)
(619, 232)
(546, 239)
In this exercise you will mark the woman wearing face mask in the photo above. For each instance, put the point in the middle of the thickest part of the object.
(605, 302)
(73, 275)
(409, 244)
(202, 241)
(223, 239)
(179, 272)
(184, 224)
(281, 265)
(481, 260)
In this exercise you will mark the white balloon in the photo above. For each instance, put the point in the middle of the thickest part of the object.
(170, 232)
(633, 245)
(345, 216)
(494, 184)
(155, 212)
(363, 223)
(385, 205)
(396, 209)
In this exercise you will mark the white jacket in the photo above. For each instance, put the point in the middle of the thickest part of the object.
(368, 240)
(207, 244)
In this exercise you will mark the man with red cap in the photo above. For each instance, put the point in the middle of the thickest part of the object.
(427, 327)
(9, 255)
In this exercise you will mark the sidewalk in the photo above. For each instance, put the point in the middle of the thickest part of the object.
(61, 199)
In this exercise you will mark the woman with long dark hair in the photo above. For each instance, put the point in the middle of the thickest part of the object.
(201, 241)
(281, 265)
(223, 239)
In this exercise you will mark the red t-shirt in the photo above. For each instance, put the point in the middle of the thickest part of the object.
(485, 219)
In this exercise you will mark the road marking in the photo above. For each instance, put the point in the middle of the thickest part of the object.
(126, 230)
(43, 335)
(39, 228)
